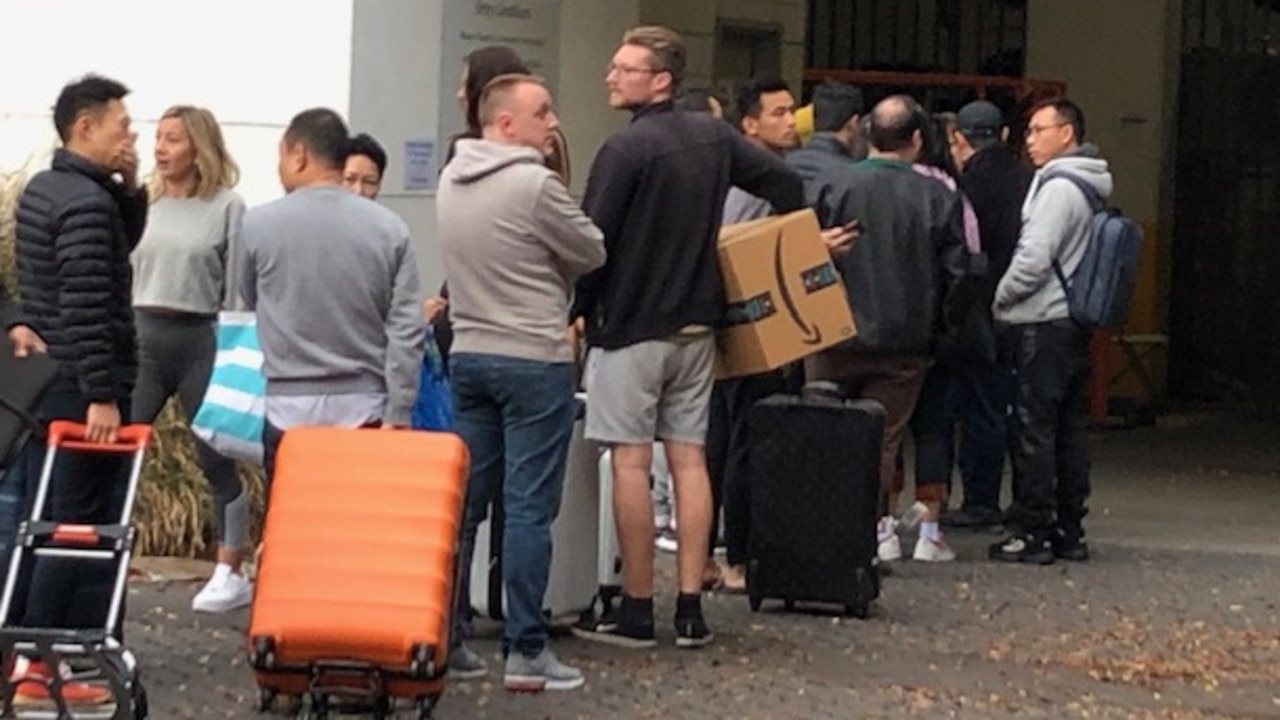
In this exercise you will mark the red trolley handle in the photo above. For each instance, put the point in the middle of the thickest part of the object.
(67, 435)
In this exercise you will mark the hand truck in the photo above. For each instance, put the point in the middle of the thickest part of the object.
(97, 656)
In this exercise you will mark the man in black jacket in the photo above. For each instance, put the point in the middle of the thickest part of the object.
(909, 253)
(995, 180)
(77, 223)
(836, 143)
(657, 191)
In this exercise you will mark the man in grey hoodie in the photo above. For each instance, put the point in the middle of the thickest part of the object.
(1050, 352)
(513, 243)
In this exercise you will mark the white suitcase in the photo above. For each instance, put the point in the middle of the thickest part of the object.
(574, 540)
(609, 567)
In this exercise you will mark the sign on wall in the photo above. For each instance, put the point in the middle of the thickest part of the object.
(530, 27)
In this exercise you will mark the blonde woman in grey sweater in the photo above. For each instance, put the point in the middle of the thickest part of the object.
(184, 273)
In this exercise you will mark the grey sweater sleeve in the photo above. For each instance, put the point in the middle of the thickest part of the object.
(1049, 223)
(567, 230)
(246, 267)
(405, 333)
(233, 257)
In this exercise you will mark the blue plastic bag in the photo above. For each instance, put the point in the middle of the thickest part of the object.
(433, 410)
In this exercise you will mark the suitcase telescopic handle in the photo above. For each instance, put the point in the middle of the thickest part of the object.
(130, 439)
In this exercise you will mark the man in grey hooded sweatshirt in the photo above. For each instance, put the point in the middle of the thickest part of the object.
(514, 243)
(1050, 351)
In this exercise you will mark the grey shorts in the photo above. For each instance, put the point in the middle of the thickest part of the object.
(654, 390)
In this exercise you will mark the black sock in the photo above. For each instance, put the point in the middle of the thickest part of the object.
(637, 611)
(689, 605)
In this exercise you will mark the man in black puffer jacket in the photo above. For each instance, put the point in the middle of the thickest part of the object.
(77, 224)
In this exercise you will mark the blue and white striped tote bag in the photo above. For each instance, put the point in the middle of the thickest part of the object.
(233, 412)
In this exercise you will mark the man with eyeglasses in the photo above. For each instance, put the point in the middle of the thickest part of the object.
(657, 190)
(1049, 446)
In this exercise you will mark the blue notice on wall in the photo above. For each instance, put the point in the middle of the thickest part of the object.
(419, 165)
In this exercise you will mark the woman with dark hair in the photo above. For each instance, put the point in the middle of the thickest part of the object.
(936, 152)
(478, 69)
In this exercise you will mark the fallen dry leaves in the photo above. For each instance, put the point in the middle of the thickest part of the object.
(1133, 652)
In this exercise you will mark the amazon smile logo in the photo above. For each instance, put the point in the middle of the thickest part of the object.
(811, 334)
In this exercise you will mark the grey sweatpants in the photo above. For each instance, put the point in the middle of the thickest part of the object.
(175, 356)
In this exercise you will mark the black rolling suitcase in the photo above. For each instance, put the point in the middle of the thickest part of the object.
(815, 482)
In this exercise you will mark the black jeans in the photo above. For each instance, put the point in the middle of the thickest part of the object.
(727, 451)
(1048, 427)
(84, 488)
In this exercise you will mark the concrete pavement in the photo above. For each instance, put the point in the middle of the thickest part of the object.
(1176, 618)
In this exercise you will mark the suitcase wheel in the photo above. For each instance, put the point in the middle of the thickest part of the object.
(789, 605)
(866, 589)
(319, 709)
(263, 656)
(427, 706)
(384, 708)
(423, 664)
(140, 709)
(266, 699)
(859, 610)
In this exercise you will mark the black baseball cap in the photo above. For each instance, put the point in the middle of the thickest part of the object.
(980, 119)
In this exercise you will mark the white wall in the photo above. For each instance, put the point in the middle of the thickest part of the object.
(396, 77)
(395, 71)
(254, 64)
(1122, 90)
(698, 22)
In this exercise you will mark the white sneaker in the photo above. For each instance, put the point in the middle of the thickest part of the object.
(666, 541)
(913, 515)
(887, 534)
(224, 592)
(935, 551)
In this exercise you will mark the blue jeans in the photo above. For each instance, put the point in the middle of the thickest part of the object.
(979, 397)
(516, 417)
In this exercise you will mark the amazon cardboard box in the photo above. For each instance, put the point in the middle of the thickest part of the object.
(786, 298)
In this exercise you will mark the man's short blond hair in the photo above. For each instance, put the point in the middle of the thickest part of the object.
(669, 52)
(498, 91)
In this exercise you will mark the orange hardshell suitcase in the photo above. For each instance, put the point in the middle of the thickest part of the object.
(355, 585)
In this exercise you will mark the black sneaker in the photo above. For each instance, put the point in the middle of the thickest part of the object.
(1069, 544)
(691, 627)
(692, 632)
(1023, 548)
(628, 626)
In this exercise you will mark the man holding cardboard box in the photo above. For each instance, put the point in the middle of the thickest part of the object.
(656, 190)
(766, 116)
(909, 253)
